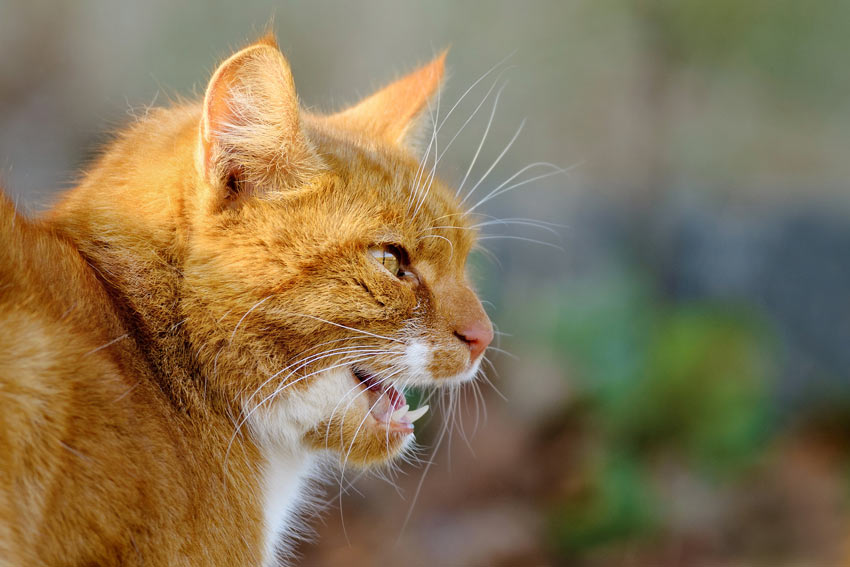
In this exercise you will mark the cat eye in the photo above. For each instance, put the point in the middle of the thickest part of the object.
(389, 257)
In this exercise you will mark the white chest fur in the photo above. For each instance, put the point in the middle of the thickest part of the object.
(286, 479)
(291, 470)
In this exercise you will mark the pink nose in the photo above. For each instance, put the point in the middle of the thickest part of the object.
(477, 336)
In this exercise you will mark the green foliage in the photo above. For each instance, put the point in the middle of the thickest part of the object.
(686, 380)
(703, 388)
(690, 377)
(617, 506)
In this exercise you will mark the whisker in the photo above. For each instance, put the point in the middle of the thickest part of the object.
(436, 158)
(473, 85)
(277, 391)
(333, 412)
(260, 302)
(346, 327)
(526, 239)
(471, 116)
(495, 162)
(439, 127)
(309, 360)
(483, 139)
(463, 405)
(520, 172)
(488, 254)
(502, 351)
(432, 142)
(451, 246)
(359, 427)
(428, 465)
(492, 194)
(519, 222)
(493, 386)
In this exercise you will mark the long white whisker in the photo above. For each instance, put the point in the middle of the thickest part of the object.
(297, 360)
(359, 427)
(354, 437)
(436, 157)
(495, 162)
(471, 116)
(420, 170)
(451, 246)
(483, 139)
(260, 302)
(526, 239)
(473, 85)
(491, 195)
(439, 127)
(277, 391)
(330, 419)
(493, 386)
(346, 327)
(365, 417)
(520, 172)
(519, 222)
(428, 465)
(502, 351)
(312, 359)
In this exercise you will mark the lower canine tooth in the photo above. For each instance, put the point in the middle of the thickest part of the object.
(399, 413)
(416, 414)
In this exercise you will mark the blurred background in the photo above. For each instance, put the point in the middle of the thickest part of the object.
(675, 382)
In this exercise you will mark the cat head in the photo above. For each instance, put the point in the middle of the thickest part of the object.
(325, 269)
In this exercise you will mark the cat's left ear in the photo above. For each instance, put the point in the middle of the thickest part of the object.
(395, 113)
(250, 132)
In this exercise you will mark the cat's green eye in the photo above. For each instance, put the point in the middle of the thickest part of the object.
(389, 257)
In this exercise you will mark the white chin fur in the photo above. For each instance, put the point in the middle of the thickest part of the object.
(285, 420)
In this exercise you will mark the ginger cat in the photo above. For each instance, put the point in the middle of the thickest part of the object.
(236, 289)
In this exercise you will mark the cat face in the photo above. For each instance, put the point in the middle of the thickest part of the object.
(329, 265)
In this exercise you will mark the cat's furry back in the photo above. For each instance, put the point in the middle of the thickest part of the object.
(204, 315)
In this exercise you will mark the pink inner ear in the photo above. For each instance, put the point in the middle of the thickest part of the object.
(217, 110)
(251, 118)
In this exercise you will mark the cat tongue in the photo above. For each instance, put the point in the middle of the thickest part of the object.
(388, 405)
(397, 399)
(383, 389)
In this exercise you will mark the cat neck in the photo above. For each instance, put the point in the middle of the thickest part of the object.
(127, 218)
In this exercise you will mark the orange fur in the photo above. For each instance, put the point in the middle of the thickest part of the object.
(209, 248)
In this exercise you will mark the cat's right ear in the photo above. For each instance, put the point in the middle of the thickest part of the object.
(395, 113)
(250, 132)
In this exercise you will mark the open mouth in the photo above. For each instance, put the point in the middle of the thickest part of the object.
(387, 404)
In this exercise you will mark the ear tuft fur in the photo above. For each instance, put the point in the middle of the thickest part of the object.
(268, 38)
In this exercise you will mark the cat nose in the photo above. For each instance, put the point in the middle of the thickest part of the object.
(477, 336)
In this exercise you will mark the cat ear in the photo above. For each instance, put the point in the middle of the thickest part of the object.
(393, 113)
(250, 132)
